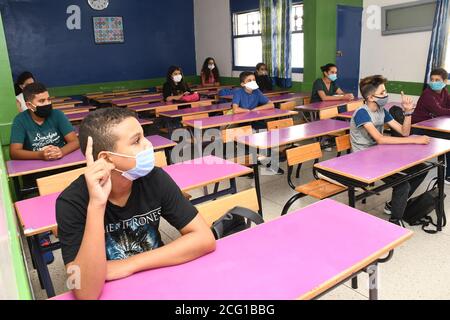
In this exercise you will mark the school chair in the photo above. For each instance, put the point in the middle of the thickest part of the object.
(57, 183)
(352, 106)
(279, 124)
(328, 113)
(211, 211)
(159, 124)
(228, 136)
(318, 188)
(290, 105)
(194, 117)
(343, 144)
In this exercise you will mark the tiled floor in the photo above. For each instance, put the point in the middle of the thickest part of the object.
(419, 269)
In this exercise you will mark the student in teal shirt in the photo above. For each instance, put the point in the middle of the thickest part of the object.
(41, 133)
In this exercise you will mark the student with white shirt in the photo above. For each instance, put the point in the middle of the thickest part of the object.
(24, 79)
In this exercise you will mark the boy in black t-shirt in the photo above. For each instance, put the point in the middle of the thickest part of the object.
(108, 218)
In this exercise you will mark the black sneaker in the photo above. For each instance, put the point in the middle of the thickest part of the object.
(398, 222)
(447, 180)
(388, 208)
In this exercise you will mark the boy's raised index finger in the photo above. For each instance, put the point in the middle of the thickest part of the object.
(89, 156)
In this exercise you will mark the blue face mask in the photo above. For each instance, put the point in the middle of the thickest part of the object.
(145, 162)
(332, 77)
(437, 85)
(382, 101)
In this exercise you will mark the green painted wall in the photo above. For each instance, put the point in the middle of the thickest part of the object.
(7, 113)
(320, 22)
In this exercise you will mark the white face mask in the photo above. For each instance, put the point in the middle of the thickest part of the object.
(177, 78)
(252, 85)
(211, 66)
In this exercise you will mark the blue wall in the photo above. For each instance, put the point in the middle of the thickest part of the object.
(157, 35)
(243, 5)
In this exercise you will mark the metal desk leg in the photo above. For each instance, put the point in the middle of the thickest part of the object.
(257, 186)
(16, 183)
(441, 208)
(351, 197)
(373, 281)
(41, 266)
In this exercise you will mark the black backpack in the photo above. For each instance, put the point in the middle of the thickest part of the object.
(397, 113)
(418, 209)
(235, 220)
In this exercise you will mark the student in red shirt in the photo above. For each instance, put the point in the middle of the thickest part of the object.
(434, 102)
(435, 99)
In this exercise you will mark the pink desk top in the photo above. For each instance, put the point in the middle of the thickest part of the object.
(24, 167)
(196, 110)
(349, 114)
(127, 101)
(155, 105)
(318, 106)
(199, 172)
(441, 124)
(214, 122)
(288, 97)
(307, 252)
(77, 116)
(381, 161)
(67, 102)
(276, 138)
(187, 175)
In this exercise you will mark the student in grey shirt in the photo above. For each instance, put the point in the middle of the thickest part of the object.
(366, 130)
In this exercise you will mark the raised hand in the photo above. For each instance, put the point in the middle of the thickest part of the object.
(407, 103)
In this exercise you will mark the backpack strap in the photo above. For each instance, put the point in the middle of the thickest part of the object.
(245, 213)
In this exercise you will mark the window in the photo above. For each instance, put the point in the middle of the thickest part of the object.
(297, 38)
(247, 42)
(398, 19)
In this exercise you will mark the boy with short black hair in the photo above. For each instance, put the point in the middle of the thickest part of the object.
(366, 130)
(108, 218)
(435, 102)
(41, 133)
(249, 97)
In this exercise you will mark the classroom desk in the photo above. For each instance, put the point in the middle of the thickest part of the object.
(79, 116)
(364, 168)
(124, 102)
(76, 109)
(285, 136)
(93, 96)
(288, 97)
(306, 265)
(349, 114)
(71, 102)
(37, 215)
(109, 99)
(173, 118)
(19, 168)
(267, 94)
(314, 108)
(156, 105)
(232, 119)
(440, 124)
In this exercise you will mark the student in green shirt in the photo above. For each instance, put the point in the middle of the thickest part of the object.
(326, 88)
(41, 133)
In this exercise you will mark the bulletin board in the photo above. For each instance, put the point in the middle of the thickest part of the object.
(108, 30)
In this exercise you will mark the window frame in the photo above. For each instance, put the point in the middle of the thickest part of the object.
(299, 70)
(233, 37)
